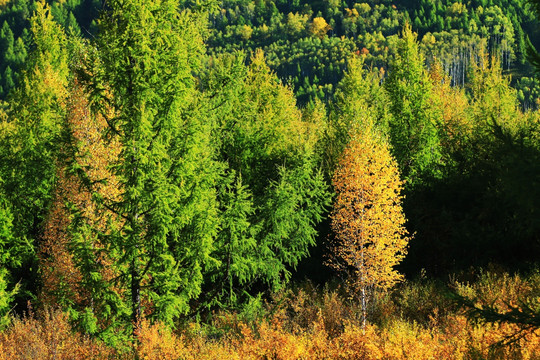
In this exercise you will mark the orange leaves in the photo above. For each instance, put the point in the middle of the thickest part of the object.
(49, 337)
(452, 337)
(62, 281)
(158, 342)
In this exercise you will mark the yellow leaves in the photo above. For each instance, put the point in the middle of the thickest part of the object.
(351, 13)
(319, 27)
(450, 104)
(314, 337)
(61, 278)
(245, 32)
(273, 113)
(158, 342)
(49, 337)
(367, 219)
(296, 23)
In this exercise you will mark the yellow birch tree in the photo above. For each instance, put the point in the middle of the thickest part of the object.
(367, 219)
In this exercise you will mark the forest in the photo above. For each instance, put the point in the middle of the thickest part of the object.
(269, 179)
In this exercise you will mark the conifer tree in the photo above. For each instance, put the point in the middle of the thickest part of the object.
(165, 169)
(30, 141)
(273, 195)
(74, 267)
(359, 96)
(413, 131)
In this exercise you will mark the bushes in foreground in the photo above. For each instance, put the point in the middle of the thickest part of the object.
(307, 323)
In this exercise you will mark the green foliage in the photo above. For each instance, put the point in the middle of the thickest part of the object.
(10, 257)
(359, 102)
(165, 168)
(210, 185)
(273, 194)
(31, 137)
(413, 130)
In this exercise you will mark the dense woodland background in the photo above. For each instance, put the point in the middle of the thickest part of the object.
(175, 173)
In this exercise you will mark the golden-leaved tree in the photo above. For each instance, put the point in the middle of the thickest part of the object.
(367, 219)
(83, 173)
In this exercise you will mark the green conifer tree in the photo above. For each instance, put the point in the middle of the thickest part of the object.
(413, 131)
(30, 143)
(273, 194)
(166, 172)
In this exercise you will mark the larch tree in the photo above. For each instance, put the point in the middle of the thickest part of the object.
(450, 106)
(413, 130)
(367, 218)
(273, 194)
(143, 84)
(75, 266)
(30, 139)
(359, 99)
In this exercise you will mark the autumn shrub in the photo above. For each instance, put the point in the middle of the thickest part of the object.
(307, 305)
(356, 343)
(48, 335)
(307, 322)
(271, 341)
(422, 301)
(501, 289)
(156, 341)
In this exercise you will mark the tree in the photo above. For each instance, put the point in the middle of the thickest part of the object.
(367, 218)
(450, 105)
(526, 314)
(273, 195)
(10, 257)
(413, 131)
(31, 138)
(71, 273)
(358, 97)
(319, 27)
(144, 88)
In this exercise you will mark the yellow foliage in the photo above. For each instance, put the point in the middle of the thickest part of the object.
(245, 32)
(368, 219)
(158, 342)
(319, 27)
(296, 23)
(451, 337)
(287, 133)
(61, 278)
(450, 104)
(50, 337)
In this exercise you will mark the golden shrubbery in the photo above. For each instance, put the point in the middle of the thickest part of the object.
(306, 323)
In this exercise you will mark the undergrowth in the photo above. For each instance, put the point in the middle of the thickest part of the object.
(418, 320)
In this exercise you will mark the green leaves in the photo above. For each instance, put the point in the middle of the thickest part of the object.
(31, 136)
